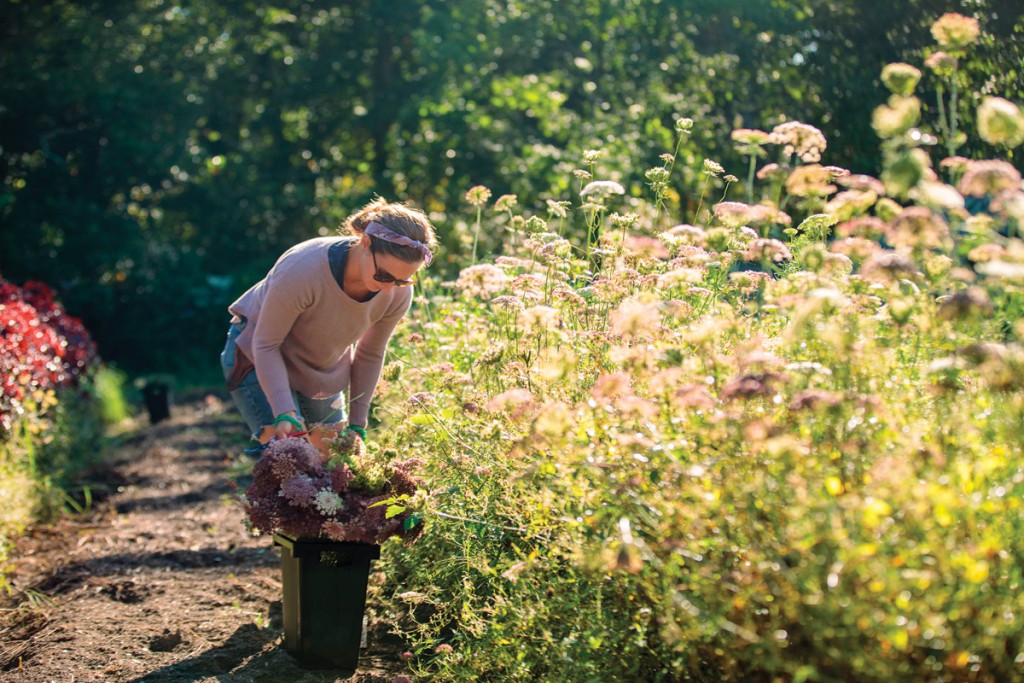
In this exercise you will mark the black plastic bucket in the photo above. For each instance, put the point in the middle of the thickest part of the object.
(324, 599)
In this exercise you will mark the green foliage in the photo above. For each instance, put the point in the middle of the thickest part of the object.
(108, 386)
(50, 445)
(156, 159)
(734, 450)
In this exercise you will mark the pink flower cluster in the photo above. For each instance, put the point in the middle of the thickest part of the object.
(297, 492)
(41, 347)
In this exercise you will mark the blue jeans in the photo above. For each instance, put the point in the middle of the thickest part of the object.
(252, 402)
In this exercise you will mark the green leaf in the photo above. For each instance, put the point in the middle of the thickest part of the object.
(411, 521)
(394, 511)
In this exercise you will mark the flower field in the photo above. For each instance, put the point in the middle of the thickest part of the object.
(781, 443)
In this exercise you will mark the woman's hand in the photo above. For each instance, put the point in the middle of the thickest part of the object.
(287, 423)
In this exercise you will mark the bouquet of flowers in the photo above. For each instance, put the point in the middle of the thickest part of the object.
(346, 495)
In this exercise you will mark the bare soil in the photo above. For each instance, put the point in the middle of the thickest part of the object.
(160, 581)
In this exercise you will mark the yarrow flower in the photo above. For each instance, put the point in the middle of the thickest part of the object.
(557, 209)
(482, 280)
(684, 125)
(538, 318)
(764, 249)
(941, 63)
(989, 177)
(299, 490)
(806, 141)
(917, 226)
(602, 188)
(713, 168)
(898, 116)
(518, 403)
(328, 502)
(1000, 122)
(634, 318)
(321, 495)
(508, 303)
(685, 234)
(954, 31)
(735, 214)
(900, 78)
(812, 180)
(505, 202)
(750, 141)
(478, 195)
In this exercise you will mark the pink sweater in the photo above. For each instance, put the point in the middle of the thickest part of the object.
(305, 333)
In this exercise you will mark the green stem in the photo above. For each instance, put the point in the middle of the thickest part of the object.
(750, 179)
(700, 201)
(476, 233)
(953, 105)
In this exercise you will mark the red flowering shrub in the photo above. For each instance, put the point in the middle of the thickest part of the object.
(348, 497)
(41, 347)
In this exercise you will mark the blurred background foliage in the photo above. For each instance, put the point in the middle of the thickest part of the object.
(157, 156)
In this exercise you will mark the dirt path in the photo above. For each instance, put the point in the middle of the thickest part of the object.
(160, 581)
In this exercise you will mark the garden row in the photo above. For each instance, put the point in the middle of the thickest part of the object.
(782, 442)
(51, 418)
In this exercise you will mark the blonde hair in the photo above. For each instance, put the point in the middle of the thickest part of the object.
(398, 217)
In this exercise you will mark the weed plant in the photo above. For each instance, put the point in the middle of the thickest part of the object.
(779, 442)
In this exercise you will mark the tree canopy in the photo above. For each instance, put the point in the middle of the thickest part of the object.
(156, 156)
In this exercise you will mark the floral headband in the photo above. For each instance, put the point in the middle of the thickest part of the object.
(375, 229)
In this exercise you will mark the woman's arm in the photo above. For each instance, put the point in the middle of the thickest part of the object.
(286, 296)
(369, 358)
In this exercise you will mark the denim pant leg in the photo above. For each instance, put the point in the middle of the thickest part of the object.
(248, 397)
(321, 410)
(252, 402)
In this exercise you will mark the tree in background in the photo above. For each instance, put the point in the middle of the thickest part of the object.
(156, 154)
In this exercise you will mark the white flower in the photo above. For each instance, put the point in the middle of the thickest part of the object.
(328, 502)
(602, 187)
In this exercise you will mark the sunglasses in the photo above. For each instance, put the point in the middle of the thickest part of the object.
(385, 277)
